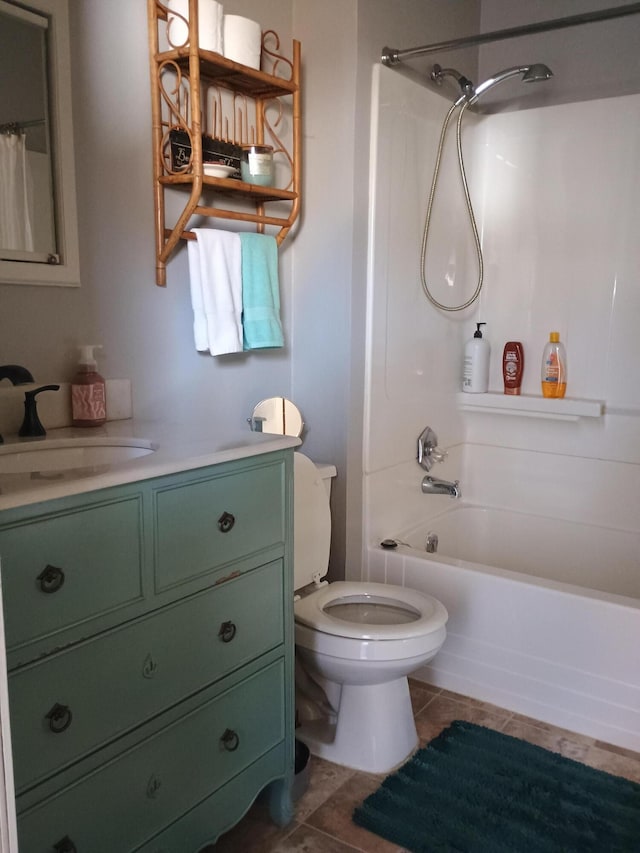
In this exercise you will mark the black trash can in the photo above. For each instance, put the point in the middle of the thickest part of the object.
(302, 770)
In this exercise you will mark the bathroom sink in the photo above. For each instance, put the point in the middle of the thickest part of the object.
(68, 453)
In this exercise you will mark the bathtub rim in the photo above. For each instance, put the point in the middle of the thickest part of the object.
(462, 505)
(507, 574)
(521, 577)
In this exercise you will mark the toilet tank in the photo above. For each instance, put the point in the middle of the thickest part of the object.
(311, 519)
(327, 473)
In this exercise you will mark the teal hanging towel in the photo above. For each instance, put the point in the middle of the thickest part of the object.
(261, 323)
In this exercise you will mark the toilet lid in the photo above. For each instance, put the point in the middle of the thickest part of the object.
(370, 611)
(311, 523)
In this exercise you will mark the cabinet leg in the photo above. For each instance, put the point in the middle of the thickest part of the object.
(280, 802)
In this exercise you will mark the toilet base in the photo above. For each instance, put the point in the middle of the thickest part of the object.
(374, 730)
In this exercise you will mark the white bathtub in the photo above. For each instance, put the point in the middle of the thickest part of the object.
(544, 614)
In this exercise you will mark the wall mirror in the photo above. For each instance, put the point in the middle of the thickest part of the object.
(38, 219)
(278, 416)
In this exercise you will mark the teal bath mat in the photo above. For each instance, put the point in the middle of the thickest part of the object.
(473, 790)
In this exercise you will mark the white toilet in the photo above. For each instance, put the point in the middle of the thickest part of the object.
(355, 641)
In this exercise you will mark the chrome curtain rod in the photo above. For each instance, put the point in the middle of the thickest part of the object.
(393, 56)
(18, 126)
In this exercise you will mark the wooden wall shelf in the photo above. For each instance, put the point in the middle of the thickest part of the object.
(200, 92)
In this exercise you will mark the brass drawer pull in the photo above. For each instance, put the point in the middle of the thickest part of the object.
(51, 579)
(65, 845)
(149, 666)
(226, 522)
(227, 632)
(153, 786)
(59, 717)
(230, 740)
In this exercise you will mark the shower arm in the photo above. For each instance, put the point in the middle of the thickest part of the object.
(393, 56)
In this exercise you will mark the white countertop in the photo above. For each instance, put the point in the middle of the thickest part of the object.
(179, 447)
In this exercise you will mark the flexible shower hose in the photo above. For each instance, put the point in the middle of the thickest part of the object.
(472, 219)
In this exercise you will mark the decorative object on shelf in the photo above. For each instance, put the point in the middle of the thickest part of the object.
(219, 170)
(213, 151)
(205, 106)
(256, 166)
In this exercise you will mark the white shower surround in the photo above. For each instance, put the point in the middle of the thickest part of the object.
(555, 191)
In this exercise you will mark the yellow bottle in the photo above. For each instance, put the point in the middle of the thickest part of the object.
(554, 367)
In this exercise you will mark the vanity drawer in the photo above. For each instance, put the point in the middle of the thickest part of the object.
(75, 701)
(67, 568)
(129, 800)
(211, 818)
(204, 525)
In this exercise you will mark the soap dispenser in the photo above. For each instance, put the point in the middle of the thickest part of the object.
(475, 376)
(88, 395)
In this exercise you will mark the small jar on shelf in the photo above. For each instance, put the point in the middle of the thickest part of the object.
(256, 165)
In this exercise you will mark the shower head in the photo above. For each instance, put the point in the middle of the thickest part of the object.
(538, 71)
(530, 73)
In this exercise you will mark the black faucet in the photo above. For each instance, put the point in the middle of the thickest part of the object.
(31, 425)
(17, 375)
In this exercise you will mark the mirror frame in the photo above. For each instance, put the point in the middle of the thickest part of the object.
(67, 272)
(262, 410)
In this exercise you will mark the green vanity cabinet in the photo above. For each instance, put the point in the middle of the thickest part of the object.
(149, 643)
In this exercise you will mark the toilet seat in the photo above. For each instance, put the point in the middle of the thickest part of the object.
(406, 612)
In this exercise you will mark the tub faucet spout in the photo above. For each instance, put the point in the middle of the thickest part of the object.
(434, 486)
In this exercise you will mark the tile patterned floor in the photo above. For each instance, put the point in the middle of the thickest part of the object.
(322, 823)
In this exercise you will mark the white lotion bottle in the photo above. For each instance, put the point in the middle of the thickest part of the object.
(475, 375)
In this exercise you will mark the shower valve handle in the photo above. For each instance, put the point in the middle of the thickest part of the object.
(427, 453)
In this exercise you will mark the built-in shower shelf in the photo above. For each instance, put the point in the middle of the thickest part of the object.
(529, 406)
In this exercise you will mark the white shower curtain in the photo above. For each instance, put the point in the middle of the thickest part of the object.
(15, 219)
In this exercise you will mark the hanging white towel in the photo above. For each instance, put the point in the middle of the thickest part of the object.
(200, 335)
(215, 270)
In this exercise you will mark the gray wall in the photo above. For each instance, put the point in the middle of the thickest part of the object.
(589, 61)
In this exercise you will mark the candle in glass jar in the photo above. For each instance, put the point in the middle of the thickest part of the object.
(256, 166)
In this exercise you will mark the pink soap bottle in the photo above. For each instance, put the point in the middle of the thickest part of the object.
(88, 396)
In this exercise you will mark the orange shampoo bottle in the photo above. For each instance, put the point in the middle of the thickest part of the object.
(554, 367)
